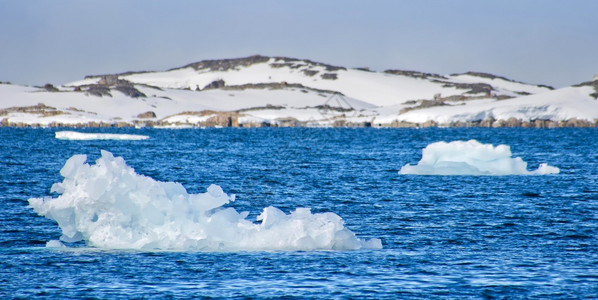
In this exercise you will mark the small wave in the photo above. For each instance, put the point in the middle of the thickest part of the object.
(108, 205)
(73, 135)
(471, 158)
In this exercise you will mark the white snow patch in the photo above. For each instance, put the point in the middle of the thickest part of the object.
(471, 158)
(73, 135)
(110, 206)
(558, 105)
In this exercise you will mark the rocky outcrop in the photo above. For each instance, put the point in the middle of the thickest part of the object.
(491, 76)
(107, 83)
(226, 64)
(98, 90)
(129, 90)
(279, 62)
(414, 74)
(214, 118)
(310, 73)
(483, 75)
(329, 76)
(50, 88)
(39, 109)
(216, 84)
(297, 63)
(268, 106)
(275, 86)
(473, 88)
(593, 83)
(327, 107)
(147, 115)
(422, 104)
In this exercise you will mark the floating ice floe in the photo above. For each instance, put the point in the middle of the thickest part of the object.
(110, 206)
(471, 158)
(73, 135)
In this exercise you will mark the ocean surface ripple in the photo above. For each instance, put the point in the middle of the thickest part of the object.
(443, 236)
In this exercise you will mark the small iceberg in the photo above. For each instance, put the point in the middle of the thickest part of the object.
(80, 136)
(471, 158)
(109, 206)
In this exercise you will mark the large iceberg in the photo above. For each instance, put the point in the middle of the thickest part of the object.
(471, 158)
(110, 206)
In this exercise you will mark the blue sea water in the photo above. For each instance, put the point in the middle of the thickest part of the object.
(443, 236)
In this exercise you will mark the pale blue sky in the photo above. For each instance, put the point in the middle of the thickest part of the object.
(541, 41)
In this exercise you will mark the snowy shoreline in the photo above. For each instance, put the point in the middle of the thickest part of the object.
(487, 123)
(261, 91)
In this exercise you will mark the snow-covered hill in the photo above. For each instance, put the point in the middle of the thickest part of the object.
(278, 91)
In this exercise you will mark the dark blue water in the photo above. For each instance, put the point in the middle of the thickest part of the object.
(443, 236)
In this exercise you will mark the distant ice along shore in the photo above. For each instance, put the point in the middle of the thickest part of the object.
(471, 158)
(72, 135)
(261, 91)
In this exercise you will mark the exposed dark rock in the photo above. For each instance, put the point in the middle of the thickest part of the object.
(40, 108)
(288, 122)
(108, 80)
(329, 68)
(414, 74)
(268, 106)
(455, 98)
(117, 75)
(327, 107)
(502, 97)
(130, 90)
(217, 118)
(288, 65)
(98, 90)
(423, 104)
(258, 124)
(216, 84)
(147, 115)
(281, 65)
(114, 80)
(397, 124)
(274, 86)
(50, 88)
(474, 88)
(488, 122)
(309, 72)
(484, 75)
(329, 76)
(428, 123)
(227, 64)
(347, 124)
(491, 76)
(593, 83)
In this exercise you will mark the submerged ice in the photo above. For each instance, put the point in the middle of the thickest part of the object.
(471, 158)
(109, 205)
